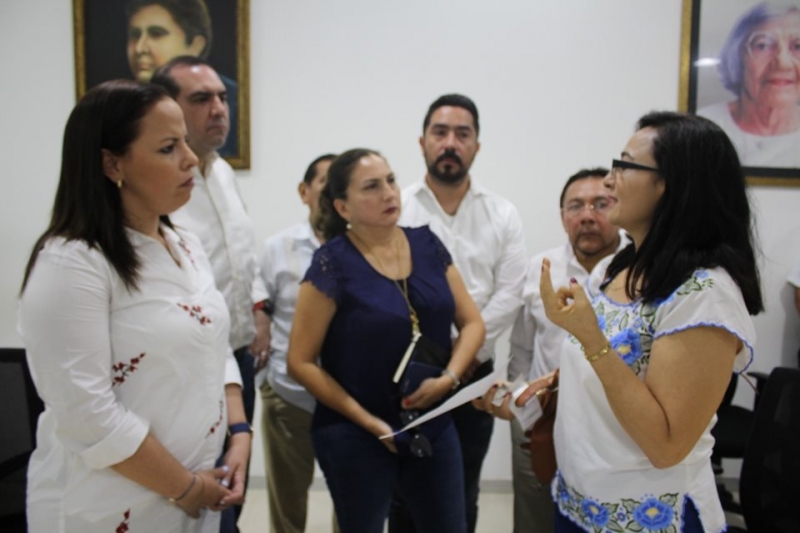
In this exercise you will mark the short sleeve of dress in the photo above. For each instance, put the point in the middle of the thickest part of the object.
(324, 274)
(708, 298)
(442, 254)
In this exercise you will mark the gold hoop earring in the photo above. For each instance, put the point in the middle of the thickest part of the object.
(119, 184)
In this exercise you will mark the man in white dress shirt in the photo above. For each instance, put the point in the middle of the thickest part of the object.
(286, 422)
(536, 342)
(483, 233)
(217, 215)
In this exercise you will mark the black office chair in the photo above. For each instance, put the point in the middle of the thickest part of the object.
(731, 432)
(769, 486)
(19, 411)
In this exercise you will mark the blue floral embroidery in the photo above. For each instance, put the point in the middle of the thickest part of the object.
(628, 345)
(563, 495)
(654, 514)
(648, 513)
(597, 514)
(601, 321)
(698, 282)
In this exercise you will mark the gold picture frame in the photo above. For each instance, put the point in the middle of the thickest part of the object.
(706, 25)
(100, 28)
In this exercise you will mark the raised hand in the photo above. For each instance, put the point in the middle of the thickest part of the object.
(568, 307)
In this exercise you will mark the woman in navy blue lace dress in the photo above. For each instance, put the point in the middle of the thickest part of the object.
(351, 329)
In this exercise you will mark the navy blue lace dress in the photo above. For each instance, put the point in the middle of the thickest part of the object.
(372, 328)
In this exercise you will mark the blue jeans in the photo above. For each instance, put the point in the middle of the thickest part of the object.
(474, 430)
(691, 521)
(362, 474)
(230, 516)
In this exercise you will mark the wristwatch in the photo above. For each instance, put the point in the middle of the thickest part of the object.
(241, 427)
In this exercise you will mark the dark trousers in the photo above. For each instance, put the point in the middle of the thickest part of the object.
(362, 476)
(474, 433)
(230, 516)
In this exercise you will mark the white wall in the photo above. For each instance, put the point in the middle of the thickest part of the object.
(559, 85)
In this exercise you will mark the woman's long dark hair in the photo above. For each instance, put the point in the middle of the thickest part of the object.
(329, 222)
(702, 220)
(87, 205)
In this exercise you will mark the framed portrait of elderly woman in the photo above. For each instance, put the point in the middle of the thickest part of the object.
(130, 39)
(740, 67)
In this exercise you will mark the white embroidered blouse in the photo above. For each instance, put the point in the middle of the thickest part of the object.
(605, 482)
(112, 365)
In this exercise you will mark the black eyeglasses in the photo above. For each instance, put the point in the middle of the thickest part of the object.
(419, 445)
(621, 164)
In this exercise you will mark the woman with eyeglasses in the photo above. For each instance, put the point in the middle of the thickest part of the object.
(648, 360)
(352, 326)
(760, 65)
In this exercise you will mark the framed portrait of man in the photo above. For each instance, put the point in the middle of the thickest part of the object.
(130, 39)
(740, 67)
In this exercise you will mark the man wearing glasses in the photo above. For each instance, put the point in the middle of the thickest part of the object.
(536, 342)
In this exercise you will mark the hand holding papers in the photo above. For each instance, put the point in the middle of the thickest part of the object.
(476, 390)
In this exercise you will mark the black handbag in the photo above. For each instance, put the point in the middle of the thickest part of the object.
(422, 359)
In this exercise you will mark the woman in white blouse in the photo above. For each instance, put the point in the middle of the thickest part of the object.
(649, 358)
(126, 334)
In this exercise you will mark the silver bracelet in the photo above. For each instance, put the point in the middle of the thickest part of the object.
(452, 375)
(174, 501)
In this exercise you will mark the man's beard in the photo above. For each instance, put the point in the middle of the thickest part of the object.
(452, 172)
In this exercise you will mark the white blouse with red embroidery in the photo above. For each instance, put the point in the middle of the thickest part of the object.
(112, 365)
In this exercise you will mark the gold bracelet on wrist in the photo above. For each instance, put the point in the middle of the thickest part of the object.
(173, 501)
(594, 357)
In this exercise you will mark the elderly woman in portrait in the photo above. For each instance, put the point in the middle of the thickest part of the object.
(161, 30)
(760, 65)
(352, 325)
(649, 358)
(127, 335)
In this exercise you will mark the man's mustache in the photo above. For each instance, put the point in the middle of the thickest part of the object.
(449, 154)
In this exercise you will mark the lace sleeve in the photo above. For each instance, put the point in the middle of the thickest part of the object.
(324, 275)
(441, 251)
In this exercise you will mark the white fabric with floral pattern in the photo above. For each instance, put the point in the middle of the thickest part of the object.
(111, 365)
(605, 481)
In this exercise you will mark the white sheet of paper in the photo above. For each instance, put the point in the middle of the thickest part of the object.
(476, 390)
(527, 415)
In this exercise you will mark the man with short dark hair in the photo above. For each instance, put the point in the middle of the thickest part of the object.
(536, 342)
(217, 215)
(287, 405)
(483, 233)
(161, 30)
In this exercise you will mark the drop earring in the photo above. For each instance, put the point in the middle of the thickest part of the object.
(119, 184)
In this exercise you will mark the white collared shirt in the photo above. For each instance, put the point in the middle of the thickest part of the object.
(217, 215)
(486, 241)
(283, 261)
(535, 341)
